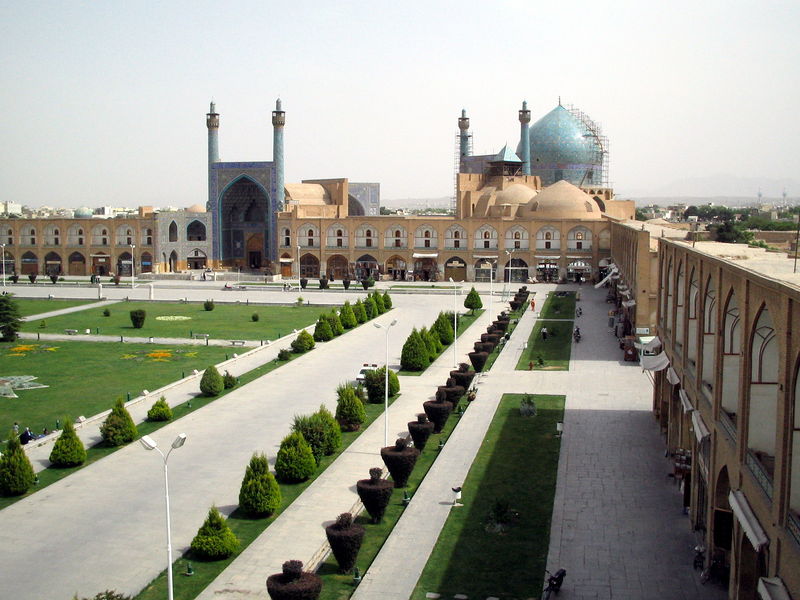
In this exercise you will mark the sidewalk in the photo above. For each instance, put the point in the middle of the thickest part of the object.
(298, 533)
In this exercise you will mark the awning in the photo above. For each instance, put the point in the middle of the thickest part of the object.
(686, 404)
(286, 260)
(425, 255)
(700, 429)
(611, 273)
(546, 266)
(576, 257)
(659, 362)
(647, 343)
(603, 262)
(672, 376)
(626, 293)
(628, 303)
(772, 588)
(543, 257)
(485, 256)
(744, 514)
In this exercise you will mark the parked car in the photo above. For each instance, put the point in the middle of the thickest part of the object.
(363, 371)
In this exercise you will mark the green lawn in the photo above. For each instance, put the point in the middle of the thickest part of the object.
(516, 466)
(515, 316)
(36, 306)
(559, 307)
(464, 321)
(336, 586)
(226, 321)
(246, 529)
(555, 351)
(85, 378)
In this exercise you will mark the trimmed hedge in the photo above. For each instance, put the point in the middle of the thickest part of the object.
(375, 494)
(295, 461)
(214, 539)
(345, 538)
(349, 409)
(118, 428)
(294, 583)
(260, 493)
(16, 471)
(68, 451)
(211, 383)
(160, 411)
(420, 431)
(137, 318)
(438, 412)
(303, 342)
(414, 356)
(400, 460)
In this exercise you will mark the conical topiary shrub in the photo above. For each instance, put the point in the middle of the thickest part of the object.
(463, 378)
(303, 342)
(294, 583)
(16, 472)
(387, 301)
(345, 537)
(211, 383)
(420, 431)
(414, 356)
(400, 460)
(260, 494)
(478, 360)
(68, 451)
(378, 298)
(438, 412)
(118, 428)
(335, 322)
(295, 461)
(430, 345)
(360, 311)
(473, 301)
(347, 317)
(370, 307)
(375, 494)
(350, 412)
(214, 539)
(443, 326)
(322, 331)
(160, 411)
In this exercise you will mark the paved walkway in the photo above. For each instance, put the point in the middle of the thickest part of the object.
(109, 516)
(618, 527)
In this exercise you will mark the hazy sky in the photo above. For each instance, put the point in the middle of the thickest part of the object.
(105, 102)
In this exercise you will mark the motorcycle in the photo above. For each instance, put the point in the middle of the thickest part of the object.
(577, 335)
(554, 582)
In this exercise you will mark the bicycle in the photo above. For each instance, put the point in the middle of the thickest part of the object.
(554, 582)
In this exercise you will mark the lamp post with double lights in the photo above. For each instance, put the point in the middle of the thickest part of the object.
(386, 382)
(150, 444)
(455, 323)
(3, 250)
(133, 267)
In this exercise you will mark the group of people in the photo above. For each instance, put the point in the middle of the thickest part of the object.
(27, 435)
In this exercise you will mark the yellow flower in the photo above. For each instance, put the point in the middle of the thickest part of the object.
(18, 355)
(190, 354)
(52, 349)
(24, 348)
(127, 356)
(160, 354)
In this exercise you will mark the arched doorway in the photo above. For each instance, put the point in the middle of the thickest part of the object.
(124, 264)
(338, 267)
(196, 232)
(244, 212)
(516, 270)
(30, 264)
(547, 270)
(101, 264)
(456, 268)
(146, 262)
(366, 266)
(197, 259)
(722, 519)
(486, 270)
(578, 269)
(52, 264)
(396, 268)
(8, 263)
(77, 264)
(309, 266)
(286, 266)
(173, 262)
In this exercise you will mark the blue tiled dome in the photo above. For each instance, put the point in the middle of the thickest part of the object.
(83, 213)
(561, 149)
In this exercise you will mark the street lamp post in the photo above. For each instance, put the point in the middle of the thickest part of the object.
(386, 383)
(150, 444)
(298, 264)
(455, 324)
(133, 267)
(3, 249)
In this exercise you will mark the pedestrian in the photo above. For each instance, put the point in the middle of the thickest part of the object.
(16, 428)
(544, 334)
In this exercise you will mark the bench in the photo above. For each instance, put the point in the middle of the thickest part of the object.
(71, 331)
(198, 336)
(237, 342)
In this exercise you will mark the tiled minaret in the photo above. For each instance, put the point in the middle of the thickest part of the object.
(463, 138)
(525, 138)
(278, 121)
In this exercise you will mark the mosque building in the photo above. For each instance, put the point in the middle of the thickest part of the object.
(545, 216)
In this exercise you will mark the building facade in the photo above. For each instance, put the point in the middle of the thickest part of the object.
(728, 400)
(182, 240)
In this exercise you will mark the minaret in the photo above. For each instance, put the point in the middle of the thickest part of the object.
(525, 138)
(463, 137)
(278, 121)
(212, 122)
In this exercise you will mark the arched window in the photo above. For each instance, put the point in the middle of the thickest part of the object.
(308, 236)
(548, 238)
(731, 361)
(365, 236)
(10, 237)
(147, 240)
(694, 324)
(486, 238)
(196, 232)
(763, 405)
(99, 236)
(709, 337)
(75, 237)
(548, 235)
(680, 313)
(368, 238)
(516, 238)
(425, 237)
(394, 237)
(668, 299)
(454, 236)
(173, 232)
(29, 237)
(52, 236)
(794, 486)
(579, 238)
(286, 236)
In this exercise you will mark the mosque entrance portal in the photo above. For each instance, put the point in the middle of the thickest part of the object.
(455, 268)
(244, 212)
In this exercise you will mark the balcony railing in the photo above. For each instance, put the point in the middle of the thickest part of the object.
(728, 425)
(760, 473)
(793, 525)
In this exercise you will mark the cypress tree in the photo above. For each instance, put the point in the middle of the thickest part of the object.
(10, 322)
(68, 451)
(348, 317)
(371, 308)
(444, 328)
(260, 493)
(473, 301)
(387, 301)
(333, 434)
(427, 338)
(349, 409)
(214, 539)
(16, 472)
(360, 311)
(322, 331)
(414, 356)
(376, 296)
(118, 428)
(295, 461)
(336, 323)
(211, 383)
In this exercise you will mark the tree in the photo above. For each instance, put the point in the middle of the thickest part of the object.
(387, 301)
(371, 308)
(211, 384)
(303, 342)
(160, 411)
(335, 322)
(333, 434)
(118, 428)
(731, 233)
(322, 330)
(360, 311)
(137, 318)
(443, 327)
(68, 451)
(10, 322)
(374, 381)
(430, 346)
(260, 493)
(414, 356)
(378, 299)
(347, 316)
(295, 461)
(214, 539)
(16, 472)
(473, 301)
(349, 409)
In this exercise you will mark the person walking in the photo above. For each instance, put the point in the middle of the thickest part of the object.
(16, 428)
(544, 334)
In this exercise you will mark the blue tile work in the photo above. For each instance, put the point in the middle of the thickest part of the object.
(368, 194)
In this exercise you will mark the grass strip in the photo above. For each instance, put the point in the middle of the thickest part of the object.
(515, 316)
(497, 543)
(551, 354)
(558, 305)
(53, 474)
(37, 306)
(337, 586)
(464, 321)
(246, 528)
